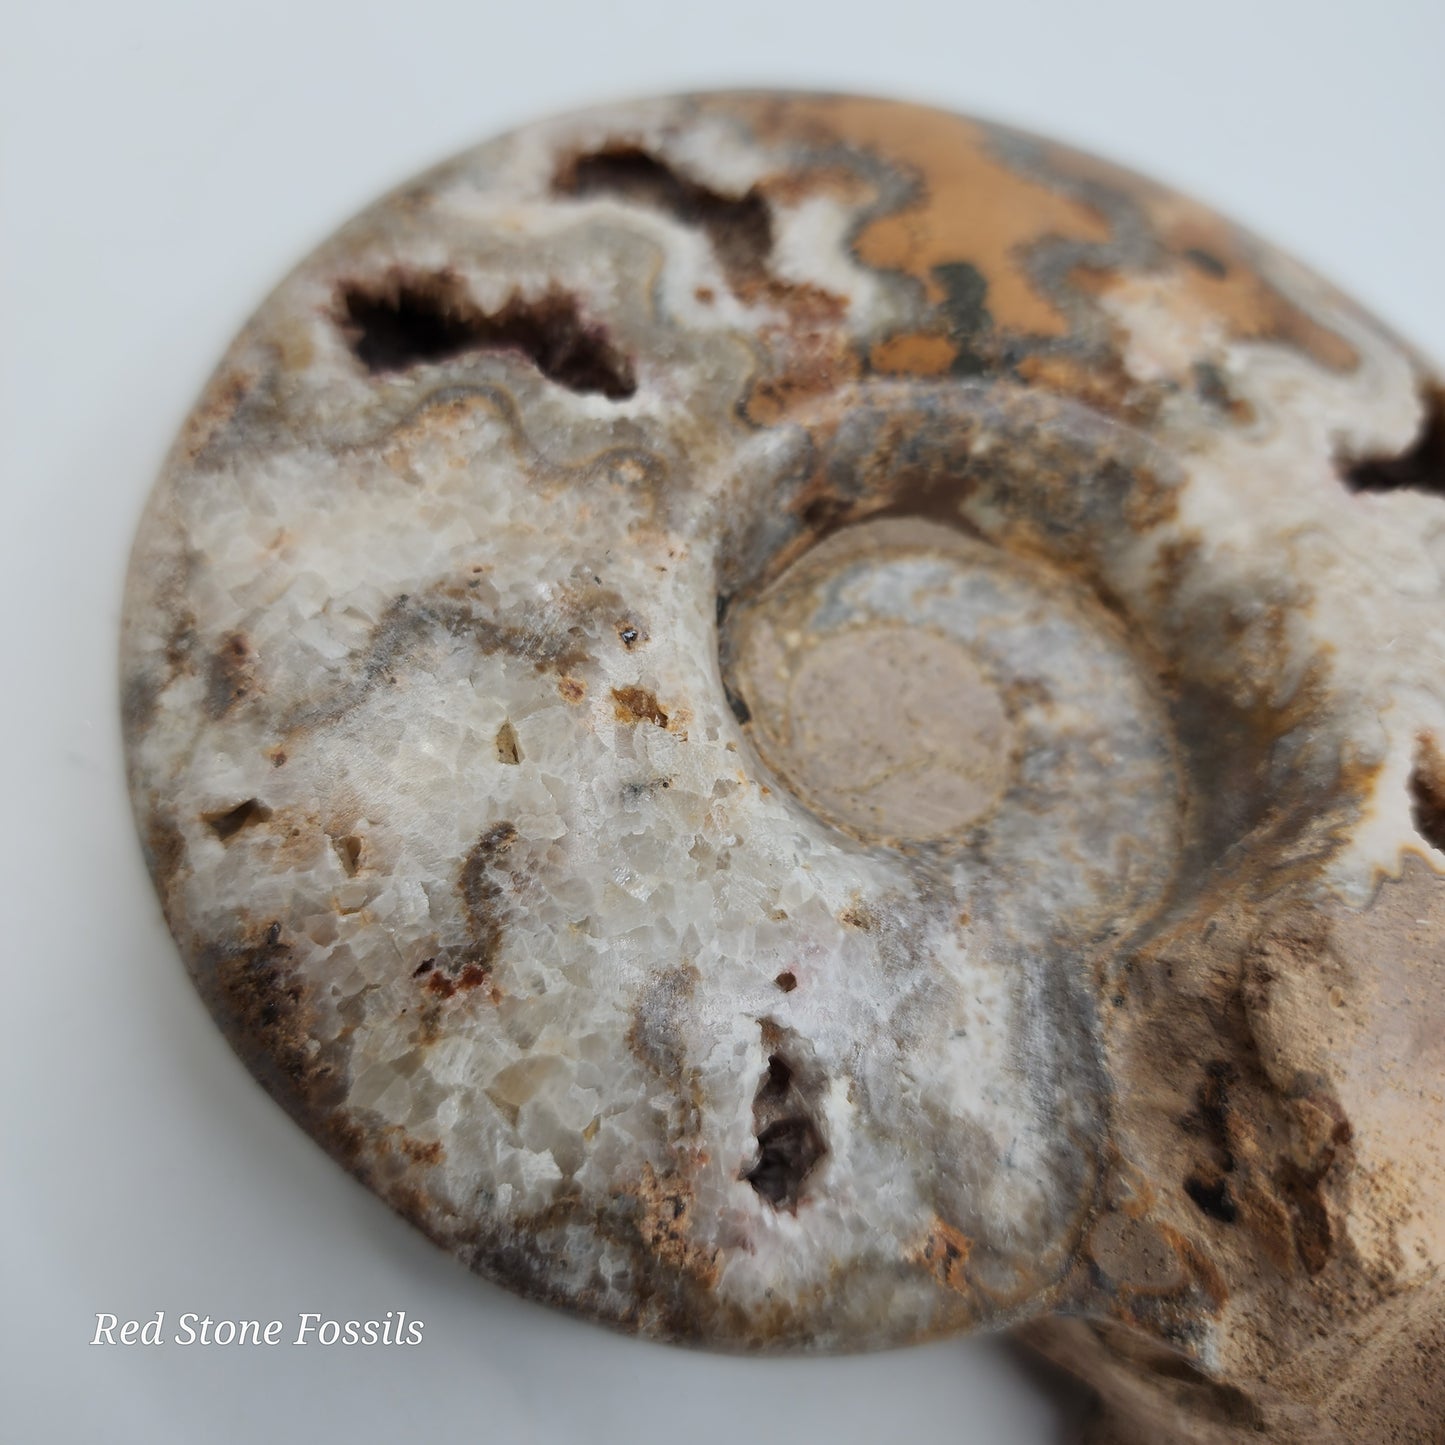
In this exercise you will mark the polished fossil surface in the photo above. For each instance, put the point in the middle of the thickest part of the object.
(799, 723)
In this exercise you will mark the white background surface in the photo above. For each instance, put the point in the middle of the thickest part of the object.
(161, 164)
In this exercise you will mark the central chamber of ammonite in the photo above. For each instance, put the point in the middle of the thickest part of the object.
(907, 681)
(798, 723)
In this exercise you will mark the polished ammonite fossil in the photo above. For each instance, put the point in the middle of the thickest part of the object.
(799, 723)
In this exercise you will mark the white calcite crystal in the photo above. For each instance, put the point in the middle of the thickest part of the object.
(799, 723)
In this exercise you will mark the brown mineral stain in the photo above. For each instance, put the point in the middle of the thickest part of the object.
(572, 689)
(480, 886)
(472, 976)
(229, 674)
(665, 1222)
(944, 1253)
(441, 984)
(636, 704)
(429, 1153)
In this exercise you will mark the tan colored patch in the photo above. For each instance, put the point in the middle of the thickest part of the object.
(970, 207)
(913, 353)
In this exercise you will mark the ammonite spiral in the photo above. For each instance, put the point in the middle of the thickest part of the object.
(799, 723)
